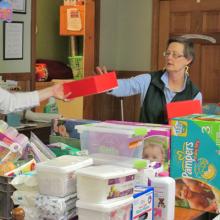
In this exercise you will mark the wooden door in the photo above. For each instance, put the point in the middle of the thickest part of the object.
(178, 17)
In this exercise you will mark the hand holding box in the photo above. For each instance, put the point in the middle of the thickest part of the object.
(91, 85)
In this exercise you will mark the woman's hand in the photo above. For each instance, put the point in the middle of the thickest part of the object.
(56, 91)
(101, 70)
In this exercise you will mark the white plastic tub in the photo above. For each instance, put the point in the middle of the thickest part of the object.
(105, 183)
(119, 210)
(56, 177)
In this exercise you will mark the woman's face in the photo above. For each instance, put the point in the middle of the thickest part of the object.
(174, 58)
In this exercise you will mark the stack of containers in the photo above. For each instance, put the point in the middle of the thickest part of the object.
(57, 186)
(127, 139)
(105, 192)
(25, 194)
(6, 204)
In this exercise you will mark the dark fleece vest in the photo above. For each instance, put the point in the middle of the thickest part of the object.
(153, 109)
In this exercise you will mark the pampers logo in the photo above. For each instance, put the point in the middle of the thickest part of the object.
(179, 128)
(6, 11)
(187, 158)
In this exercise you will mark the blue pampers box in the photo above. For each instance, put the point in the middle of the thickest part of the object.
(195, 161)
(143, 204)
(65, 127)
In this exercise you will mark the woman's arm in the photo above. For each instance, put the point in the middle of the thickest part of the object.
(18, 101)
(132, 86)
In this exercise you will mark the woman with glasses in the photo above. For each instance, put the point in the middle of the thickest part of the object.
(164, 86)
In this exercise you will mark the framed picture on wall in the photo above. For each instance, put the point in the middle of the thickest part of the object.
(19, 6)
(13, 40)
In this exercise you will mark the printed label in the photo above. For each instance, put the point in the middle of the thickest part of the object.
(119, 187)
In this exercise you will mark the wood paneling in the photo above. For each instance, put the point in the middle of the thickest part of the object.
(109, 107)
(211, 22)
(177, 18)
(89, 55)
(164, 29)
(210, 73)
(179, 22)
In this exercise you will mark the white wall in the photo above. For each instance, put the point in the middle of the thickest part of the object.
(24, 65)
(125, 34)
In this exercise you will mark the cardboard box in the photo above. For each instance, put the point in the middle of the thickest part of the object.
(91, 85)
(183, 108)
(195, 161)
(71, 109)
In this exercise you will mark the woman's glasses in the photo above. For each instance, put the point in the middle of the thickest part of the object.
(173, 54)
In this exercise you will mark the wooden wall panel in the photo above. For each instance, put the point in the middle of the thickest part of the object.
(109, 107)
(210, 73)
(164, 29)
(194, 17)
(89, 55)
(195, 69)
(180, 22)
(211, 22)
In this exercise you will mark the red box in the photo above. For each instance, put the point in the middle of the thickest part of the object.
(91, 85)
(183, 108)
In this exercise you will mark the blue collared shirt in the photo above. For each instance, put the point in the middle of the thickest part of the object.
(140, 84)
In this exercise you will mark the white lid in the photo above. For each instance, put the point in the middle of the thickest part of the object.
(106, 206)
(64, 164)
(113, 128)
(106, 171)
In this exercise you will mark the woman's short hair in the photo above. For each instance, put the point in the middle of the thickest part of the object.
(189, 52)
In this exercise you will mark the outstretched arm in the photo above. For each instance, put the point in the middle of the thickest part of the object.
(56, 91)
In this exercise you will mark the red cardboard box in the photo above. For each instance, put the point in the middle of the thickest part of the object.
(183, 108)
(91, 85)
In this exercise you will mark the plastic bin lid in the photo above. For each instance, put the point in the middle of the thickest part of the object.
(106, 171)
(64, 164)
(106, 206)
(104, 127)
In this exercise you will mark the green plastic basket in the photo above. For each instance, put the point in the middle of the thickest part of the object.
(76, 64)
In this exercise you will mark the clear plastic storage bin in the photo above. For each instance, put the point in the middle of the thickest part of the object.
(114, 139)
(56, 177)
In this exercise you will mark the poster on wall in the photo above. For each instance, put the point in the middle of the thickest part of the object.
(13, 40)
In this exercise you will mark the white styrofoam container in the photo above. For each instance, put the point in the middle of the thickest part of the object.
(56, 177)
(118, 210)
(105, 183)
